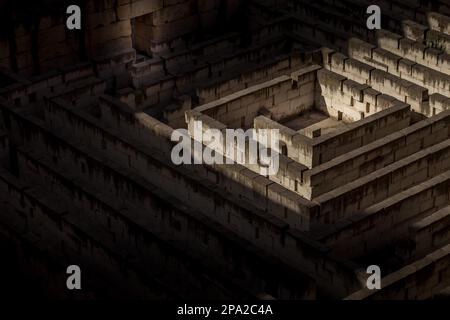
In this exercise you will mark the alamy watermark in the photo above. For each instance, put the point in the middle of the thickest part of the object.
(73, 22)
(374, 20)
(374, 280)
(74, 279)
(213, 146)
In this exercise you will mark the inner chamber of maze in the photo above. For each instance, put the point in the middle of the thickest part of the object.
(86, 124)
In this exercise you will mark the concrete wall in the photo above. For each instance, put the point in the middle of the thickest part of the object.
(283, 97)
(377, 154)
(358, 134)
(288, 175)
(397, 213)
(33, 216)
(272, 236)
(171, 76)
(145, 237)
(434, 81)
(339, 93)
(76, 81)
(316, 151)
(431, 232)
(388, 83)
(227, 81)
(45, 42)
(243, 182)
(379, 185)
(414, 51)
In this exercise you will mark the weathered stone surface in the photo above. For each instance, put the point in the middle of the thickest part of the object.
(86, 172)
